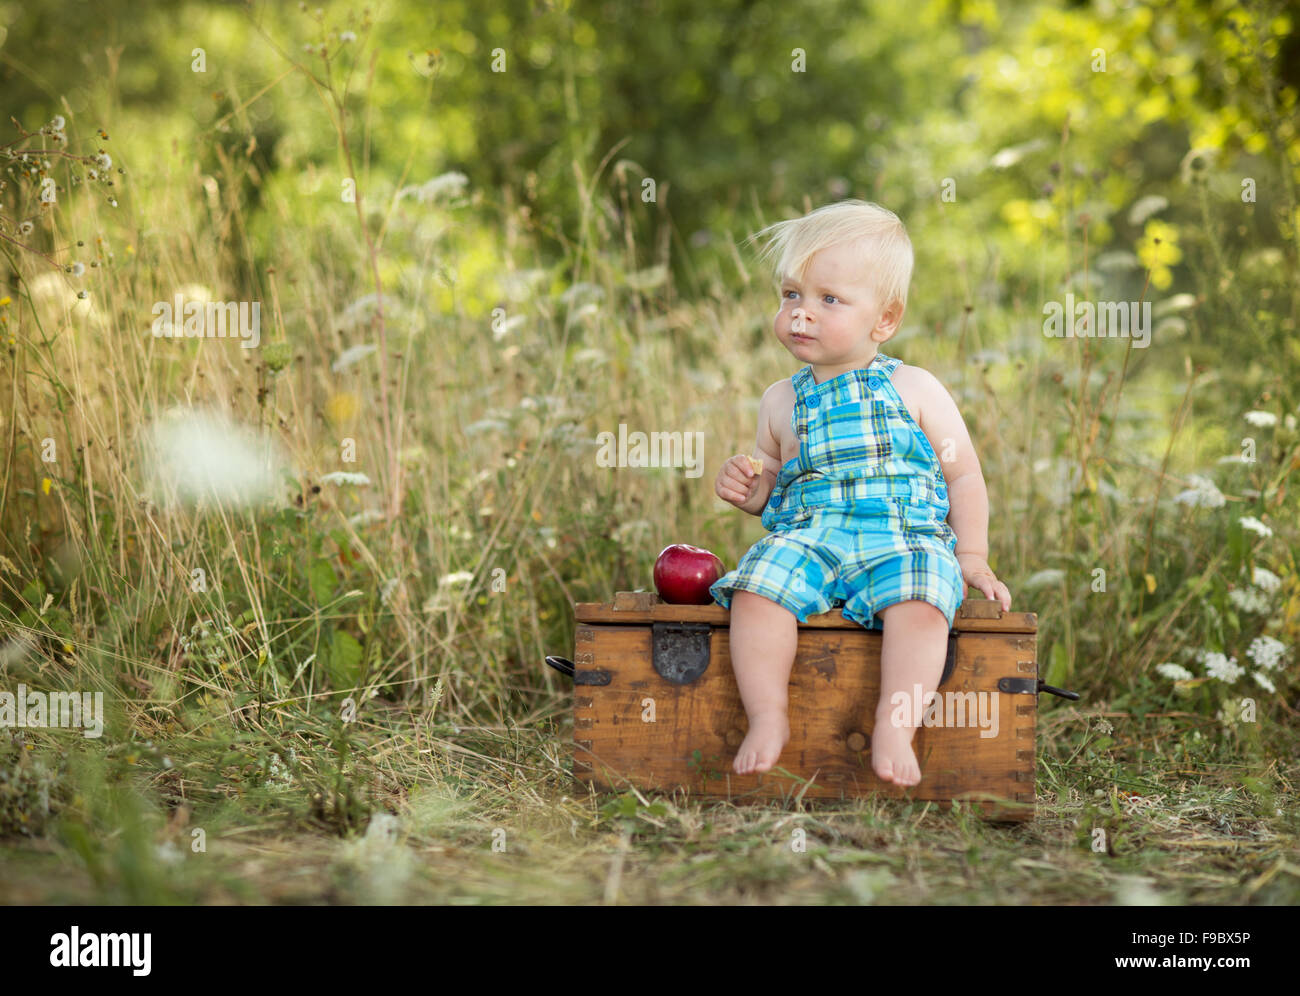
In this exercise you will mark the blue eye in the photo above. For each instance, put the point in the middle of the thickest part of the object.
(831, 296)
(784, 293)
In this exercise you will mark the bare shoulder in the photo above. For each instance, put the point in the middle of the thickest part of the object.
(777, 407)
(920, 390)
(778, 400)
(917, 377)
(778, 393)
(936, 411)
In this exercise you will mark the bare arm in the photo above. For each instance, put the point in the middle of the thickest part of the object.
(968, 498)
(767, 449)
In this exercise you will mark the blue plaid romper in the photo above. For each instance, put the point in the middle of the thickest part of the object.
(858, 518)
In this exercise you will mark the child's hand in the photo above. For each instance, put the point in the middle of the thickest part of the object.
(976, 572)
(738, 479)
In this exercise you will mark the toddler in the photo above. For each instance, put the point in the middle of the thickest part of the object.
(849, 487)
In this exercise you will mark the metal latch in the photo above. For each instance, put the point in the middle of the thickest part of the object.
(680, 650)
(1032, 686)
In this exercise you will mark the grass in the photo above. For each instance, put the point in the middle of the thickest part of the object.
(1155, 816)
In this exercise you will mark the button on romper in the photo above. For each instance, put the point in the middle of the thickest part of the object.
(858, 518)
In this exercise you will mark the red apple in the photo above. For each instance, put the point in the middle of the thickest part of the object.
(684, 574)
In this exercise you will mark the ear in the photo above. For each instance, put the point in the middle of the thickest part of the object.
(890, 319)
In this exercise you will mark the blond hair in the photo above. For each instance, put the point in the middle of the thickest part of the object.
(876, 233)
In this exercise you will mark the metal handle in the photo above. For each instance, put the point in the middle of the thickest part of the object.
(565, 666)
(1044, 687)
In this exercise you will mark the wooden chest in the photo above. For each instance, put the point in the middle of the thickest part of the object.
(656, 706)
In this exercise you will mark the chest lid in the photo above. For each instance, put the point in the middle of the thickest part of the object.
(974, 615)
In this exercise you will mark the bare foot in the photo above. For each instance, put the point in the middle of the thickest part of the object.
(892, 758)
(768, 733)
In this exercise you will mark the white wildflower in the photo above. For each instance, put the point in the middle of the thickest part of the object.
(198, 455)
(1263, 681)
(1266, 652)
(447, 183)
(1050, 576)
(78, 269)
(358, 314)
(1219, 666)
(351, 355)
(1261, 419)
(509, 325)
(278, 774)
(583, 290)
(347, 36)
(1266, 579)
(105, 160)
(58, 124)
(1254, 525)
(1248, 599)
(1202, 492)
(25, 228)
(342, 477)
(1174, 672)
(365, 518)
(460, 577)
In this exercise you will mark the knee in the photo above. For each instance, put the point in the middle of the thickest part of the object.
(914, 613)
(752, 603)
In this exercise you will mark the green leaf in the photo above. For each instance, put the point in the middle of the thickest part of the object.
(323, 580)
(345, 659)
(34, 593)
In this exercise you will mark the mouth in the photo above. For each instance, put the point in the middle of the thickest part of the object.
(794, 337)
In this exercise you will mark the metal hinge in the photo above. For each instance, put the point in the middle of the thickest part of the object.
(680, 650)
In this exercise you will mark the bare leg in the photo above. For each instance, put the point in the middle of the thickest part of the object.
(912, 651)
(763, 642)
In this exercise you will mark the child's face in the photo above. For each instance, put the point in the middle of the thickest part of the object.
(834, 316)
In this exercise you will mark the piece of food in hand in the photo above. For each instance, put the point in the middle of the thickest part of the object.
(756, 463)
(684, 573)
